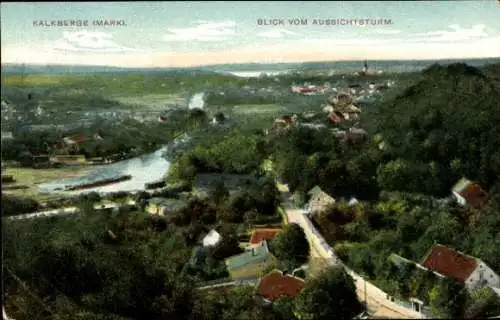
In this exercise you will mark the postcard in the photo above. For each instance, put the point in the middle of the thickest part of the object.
(250, 160)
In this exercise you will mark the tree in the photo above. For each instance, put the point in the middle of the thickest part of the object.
(283, 307)
(219, 193)
(291, 245)
(331, 295)
(16, 205)
(433, 136)
(447, 299)
(220, 117)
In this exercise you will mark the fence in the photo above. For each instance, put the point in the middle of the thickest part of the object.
(227, 282)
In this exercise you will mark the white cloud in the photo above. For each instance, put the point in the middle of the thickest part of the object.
(341, 42)
(458, 34)
(276, 33)
(386, 31)
(89, 42)
(204, 31)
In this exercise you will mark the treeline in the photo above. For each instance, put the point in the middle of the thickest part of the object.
(104, 138)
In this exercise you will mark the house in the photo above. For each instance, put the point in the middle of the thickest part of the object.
(353, 201)
(7, 135)
(306, 89)
(218, 118)
(335, 117)
(212, 239)
(327, 109)
(159, 206)
(470, 271)
(276, 284)
(467, 192)
(357, 135)
(263, 234)
(284, 120)
(344, 99)
(250, 263)
(162, 118)
(319, 200)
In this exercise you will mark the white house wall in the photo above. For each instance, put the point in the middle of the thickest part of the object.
(460, 199)
(489, 276)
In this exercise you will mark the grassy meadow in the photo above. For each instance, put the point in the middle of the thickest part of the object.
(33, 177)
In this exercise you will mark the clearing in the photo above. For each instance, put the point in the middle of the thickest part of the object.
(32, 177)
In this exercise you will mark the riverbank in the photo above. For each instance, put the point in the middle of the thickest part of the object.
(149, 168)
(31, 178)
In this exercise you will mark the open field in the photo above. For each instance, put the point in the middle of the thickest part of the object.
(32, 177)
(124, 84)
(33, 80)
(152, 100)
(253, 109)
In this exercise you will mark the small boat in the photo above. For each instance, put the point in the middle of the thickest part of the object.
(99, 183)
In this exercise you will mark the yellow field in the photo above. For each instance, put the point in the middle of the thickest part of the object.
(32, 177)
(30, 80)
(257, 109)
(151, 99)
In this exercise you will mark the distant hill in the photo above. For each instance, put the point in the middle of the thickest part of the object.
(340, 66)
(19, 69)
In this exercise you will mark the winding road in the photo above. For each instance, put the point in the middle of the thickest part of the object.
(323, 256)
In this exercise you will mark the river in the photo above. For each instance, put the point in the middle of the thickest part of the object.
(143, 169)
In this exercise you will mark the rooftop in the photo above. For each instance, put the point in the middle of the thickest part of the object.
(275, 285)
(211, 239)
(262, 234)
(474, 195)
(450, 263)
(461, 185)
(254, 255)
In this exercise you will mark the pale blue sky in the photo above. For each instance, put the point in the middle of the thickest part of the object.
(191, 33)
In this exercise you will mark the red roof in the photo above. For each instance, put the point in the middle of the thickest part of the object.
(79, 138)
(450, 263)
(302, 90)
(275, 285)
(263, 234)
(474, 195)
(334, 118)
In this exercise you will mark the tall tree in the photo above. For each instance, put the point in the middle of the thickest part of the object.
(291, 245)
(331, 295)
